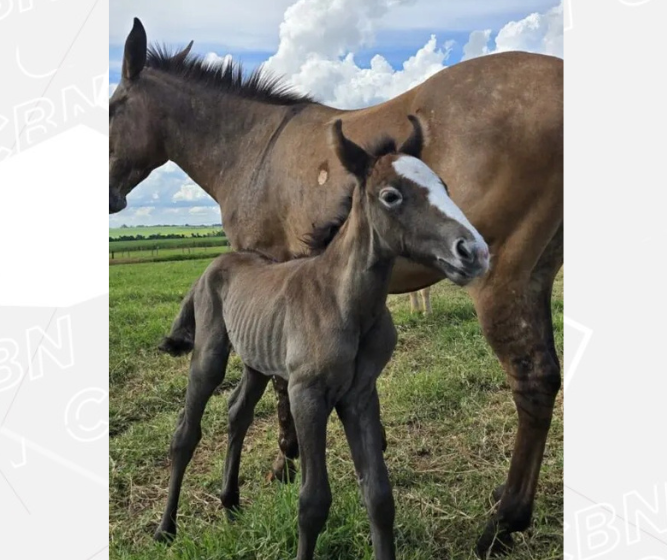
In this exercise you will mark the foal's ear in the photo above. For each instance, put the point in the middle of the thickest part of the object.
(134, 57)
(354, 158)
(414, 144)
(178, 58)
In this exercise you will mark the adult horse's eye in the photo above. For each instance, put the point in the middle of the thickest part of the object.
(391, 197)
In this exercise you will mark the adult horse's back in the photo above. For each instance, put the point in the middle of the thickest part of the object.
(493, 131)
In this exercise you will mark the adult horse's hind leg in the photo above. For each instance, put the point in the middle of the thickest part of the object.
(242, 405)
(414, 302)
(516, 319)
(207, 371)
(284, 469)
(426, 300)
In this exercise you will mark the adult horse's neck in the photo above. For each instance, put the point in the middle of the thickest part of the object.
(219, 139)
(361, 264)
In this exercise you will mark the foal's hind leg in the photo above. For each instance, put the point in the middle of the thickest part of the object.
(207, 371)
(517, 322)
(242, 404)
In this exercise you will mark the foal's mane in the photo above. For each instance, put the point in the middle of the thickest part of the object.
(227, 77)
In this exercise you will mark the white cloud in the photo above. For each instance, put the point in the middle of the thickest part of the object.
(189, 192)
(212, 211)
(538, 32)
(316, 33)
(318, 39)
(327, 30)
(214, 58)
(477, 45)
(143, 211)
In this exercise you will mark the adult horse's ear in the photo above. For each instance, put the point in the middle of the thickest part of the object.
(354, 158)
(414, 144)
(134, 57)
(178, 58)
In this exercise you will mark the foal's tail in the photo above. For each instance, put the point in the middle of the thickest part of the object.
(181, 339)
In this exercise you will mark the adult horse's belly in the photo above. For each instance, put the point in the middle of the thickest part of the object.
(409, 276)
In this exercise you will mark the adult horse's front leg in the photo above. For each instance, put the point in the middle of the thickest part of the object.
(284, 468)
(516, 320)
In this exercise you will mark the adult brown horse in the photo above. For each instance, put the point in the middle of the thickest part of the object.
(493, 131)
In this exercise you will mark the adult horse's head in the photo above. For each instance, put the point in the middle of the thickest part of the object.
(409, 206)
(135, 143)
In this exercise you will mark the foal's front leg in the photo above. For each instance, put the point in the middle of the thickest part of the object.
(359, 410)
(311, 409)
(360, 414)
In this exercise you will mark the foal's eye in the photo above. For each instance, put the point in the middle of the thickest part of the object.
(390, 197)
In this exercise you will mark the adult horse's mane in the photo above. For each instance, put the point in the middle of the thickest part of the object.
(227, 77)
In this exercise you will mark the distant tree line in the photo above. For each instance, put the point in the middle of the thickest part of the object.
(158, 236)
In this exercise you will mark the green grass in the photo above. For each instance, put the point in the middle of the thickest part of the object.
(446, 407)
(164, 230)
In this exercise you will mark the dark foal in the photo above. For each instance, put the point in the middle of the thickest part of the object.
(321, 323)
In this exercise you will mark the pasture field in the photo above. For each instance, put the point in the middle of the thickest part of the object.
(179, 243)
(115, 233)
(446, 407)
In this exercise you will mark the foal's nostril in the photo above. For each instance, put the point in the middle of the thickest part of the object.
(463, 251)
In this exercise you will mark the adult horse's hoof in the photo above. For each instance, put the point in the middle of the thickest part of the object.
(283, 470)
(498, 493)
(494, 542)
(165, 536)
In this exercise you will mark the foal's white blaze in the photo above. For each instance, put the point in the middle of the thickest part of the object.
(418, 172)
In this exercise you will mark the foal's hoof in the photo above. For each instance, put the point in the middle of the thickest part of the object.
(494, 542)
(232, 505)
(284, 470)
(232, 514)
(165, 536)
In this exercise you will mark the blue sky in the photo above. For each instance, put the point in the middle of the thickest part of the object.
(251, 32)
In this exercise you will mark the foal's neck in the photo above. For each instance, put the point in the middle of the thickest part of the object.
(359, 264)
(219, 139)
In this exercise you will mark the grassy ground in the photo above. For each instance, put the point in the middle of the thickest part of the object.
(448, 413)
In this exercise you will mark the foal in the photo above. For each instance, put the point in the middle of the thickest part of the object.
(322, 324)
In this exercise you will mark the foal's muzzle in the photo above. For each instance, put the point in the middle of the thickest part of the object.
(468, 259)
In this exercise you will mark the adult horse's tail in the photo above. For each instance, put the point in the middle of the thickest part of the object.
(181, 339)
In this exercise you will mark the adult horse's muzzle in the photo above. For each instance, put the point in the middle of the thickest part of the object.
(466, 260)
(117, 201)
